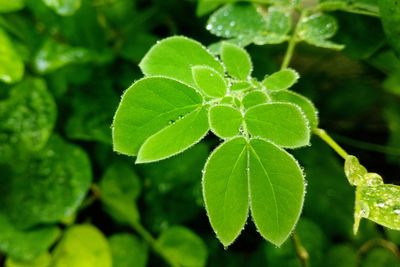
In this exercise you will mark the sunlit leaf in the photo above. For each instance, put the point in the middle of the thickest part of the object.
(11, 65)
(236, 60)
(11, 6)
(225, 120)
(41, 261)
(209, 81)
(281, 80)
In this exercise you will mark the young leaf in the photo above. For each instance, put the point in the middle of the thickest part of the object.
(183, 247)
(276, 186)
(127, 251)
(281, 80)
(147, 107)
(82, 245)
(354, 171)
(379, 203)
(304, 103)
(281, 123)
(174, 56)
(225, 189)
(209, 81)
(11, 64)
(317, 28)
(26, 245)
(225, 120)
(236, 60)
(119, 188)
(175, 138)
(240, 85)
(240, 20)
(254, 98)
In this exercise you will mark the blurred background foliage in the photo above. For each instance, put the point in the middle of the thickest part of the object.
(67, 200)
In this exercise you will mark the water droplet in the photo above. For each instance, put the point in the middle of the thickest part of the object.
(209, 27)
(219, 28)
(232, 23)
(227, 33)
(397, 211)
(171, 122)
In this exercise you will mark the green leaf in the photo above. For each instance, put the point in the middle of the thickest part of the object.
(127, 251)
(236, 60)
(183, 247)
(174, 56)
(119, 188)
(278, 25)
(28, 117)
(41, 261)
(276, 186)
(236, 20)
(48, 187)
(64, 7)
(225, 121)
(281, 123)
(82, 245)
(341, 255)
(11, 64)
(304, 103)
(25, 245)
(175, 138)
(254, 98)
(209, 81)
(147, 107)
(240, 85)
(53, 55)
(354, 171)
(11, 6)
(316, 28)
(281, 80)
(225, 189)
(379, 203)
(380, 257)
(390, 16)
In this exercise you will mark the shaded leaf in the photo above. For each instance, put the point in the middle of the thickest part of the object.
(390, 15)
(127, 251)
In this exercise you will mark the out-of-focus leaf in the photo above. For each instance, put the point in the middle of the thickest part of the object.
(135, 45)
(25, 245)
(63, 7)
(11, 6)
(183, 247)
(48, 187)
(380, 257)
(53, 55)
(11, 65)
(41, 261)
(27, 119)
(82, 246)
(317, 28)
(390, 15)
(127, 250)
(119, 188)
(341, 255)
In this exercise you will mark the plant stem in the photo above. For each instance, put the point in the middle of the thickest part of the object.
(321, 133)
(152, 242)
(292, 44)
(301, 251)
(379, 242)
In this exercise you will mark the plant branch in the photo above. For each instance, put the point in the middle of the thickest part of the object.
(321, 133)
(291, 44)
(301, 251)
(378, 242)
(152, 242)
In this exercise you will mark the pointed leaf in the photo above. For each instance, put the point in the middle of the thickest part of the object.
(281, 80)
(209, 81)
(254, 98)
(380, 203)
(225, 189)
(303, 102)
(281, 123)
(175, 138)
(174, 56)
(183, 247)
(225, 120)
(11, 64)
(236, 60)
(147, 107)
(276, 186)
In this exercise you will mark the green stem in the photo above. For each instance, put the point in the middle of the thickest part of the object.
(321, 133)
(301, 251)
(292, 44)
(152, 242)
(379, 242)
